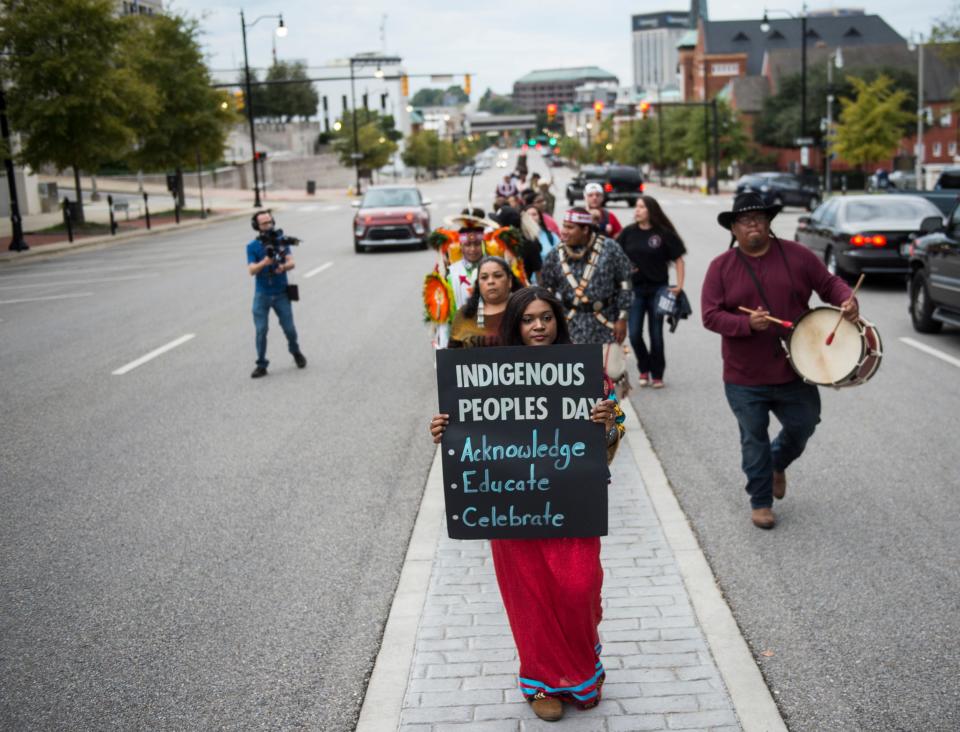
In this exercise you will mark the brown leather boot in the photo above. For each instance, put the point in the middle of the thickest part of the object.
(548, 708)
(763, 518)
(779, 485)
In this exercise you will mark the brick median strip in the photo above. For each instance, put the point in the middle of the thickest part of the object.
(448, 660)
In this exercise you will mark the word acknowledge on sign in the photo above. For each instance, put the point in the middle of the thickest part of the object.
(521, 458)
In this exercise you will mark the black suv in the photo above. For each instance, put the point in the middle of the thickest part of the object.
(935, 273)
(783, 189)
(619, 182)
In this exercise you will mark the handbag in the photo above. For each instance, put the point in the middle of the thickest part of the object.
(293, 293)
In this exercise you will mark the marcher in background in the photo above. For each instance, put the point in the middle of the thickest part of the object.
(590, 275)
(463, 272)
(269, 260)
(607, 224)
(771, 277)
(651, 243)
(535, 230)
(540, 201)
(550, 200)
(477, 323)
(551, 587)
(507, 187)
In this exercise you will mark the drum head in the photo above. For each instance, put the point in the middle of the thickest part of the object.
(813, 359)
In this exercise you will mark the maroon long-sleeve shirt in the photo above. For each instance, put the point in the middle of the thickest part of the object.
(753, 358)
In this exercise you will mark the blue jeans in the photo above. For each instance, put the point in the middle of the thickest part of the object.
(797, 407)
(654, 361)
(262, 302)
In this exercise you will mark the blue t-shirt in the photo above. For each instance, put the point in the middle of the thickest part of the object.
(268, 281)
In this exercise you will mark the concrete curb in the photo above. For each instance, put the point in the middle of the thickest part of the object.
(748, 691)
(383, 701)
(103, 242)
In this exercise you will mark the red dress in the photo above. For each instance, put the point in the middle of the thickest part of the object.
(551, 591)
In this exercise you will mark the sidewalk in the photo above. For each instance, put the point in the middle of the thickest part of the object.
(674, 657)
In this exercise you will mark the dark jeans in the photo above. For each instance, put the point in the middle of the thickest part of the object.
(654, 361)
(262, 302)
(797, 406)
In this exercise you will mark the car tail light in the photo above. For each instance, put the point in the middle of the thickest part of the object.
(608, 187)
(862, 240)
(640, 188)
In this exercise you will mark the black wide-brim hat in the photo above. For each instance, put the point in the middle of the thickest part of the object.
(746, 201)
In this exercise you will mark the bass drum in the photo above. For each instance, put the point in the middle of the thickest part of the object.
(850, 360)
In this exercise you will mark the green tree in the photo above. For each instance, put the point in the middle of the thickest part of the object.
(69, 96)
(497, 104)
(636, 143)
(871, 123)
(571, 149)
(283, 102)
(190, 120)
(425, 150)
(374, 141)
(449, 97)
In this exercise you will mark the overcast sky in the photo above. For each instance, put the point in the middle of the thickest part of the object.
(497, 40)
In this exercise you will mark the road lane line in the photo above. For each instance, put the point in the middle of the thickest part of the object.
(79, 282)
(329, 209)
(49, 297)
(306, 209)
(153, 354)
(318, 270)
(932, 351)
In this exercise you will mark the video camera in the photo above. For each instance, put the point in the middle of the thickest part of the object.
(275, 242)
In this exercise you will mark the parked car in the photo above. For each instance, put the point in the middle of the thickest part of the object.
(934, 259)
(946, 191)
(864, 233)
(391, 216)
(620, 183)
(783, 189)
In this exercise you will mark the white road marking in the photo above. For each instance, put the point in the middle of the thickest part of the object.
(318, 270)
(306, 209)
(953, 361)
(55, 272)
(79, 282)
(49, 297)
(153, 354)
(329, 209)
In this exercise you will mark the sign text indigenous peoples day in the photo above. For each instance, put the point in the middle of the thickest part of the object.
(521, 457)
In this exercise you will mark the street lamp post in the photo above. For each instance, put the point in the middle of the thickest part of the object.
(281, 32)
(918, 165)
(364, 60)
(833, 59)
(765, 27)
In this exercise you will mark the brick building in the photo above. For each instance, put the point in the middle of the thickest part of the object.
(537, 89)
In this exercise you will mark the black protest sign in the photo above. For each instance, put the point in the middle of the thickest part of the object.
(521, 458)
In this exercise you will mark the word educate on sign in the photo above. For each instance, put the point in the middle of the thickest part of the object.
(521, 458)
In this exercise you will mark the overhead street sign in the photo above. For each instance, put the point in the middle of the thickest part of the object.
(803, 141)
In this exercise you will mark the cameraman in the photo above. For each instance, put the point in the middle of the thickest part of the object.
(269, 260)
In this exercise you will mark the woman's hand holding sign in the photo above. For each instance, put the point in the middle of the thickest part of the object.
(437, 426)
(605, 413)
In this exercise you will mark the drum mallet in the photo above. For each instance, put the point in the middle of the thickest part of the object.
(840, 319)
(784, 323)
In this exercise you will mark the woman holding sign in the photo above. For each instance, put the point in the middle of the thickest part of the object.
(477, 323)
(551, 587)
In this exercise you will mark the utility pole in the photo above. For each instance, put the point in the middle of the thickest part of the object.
(920, 114)
(249, 105)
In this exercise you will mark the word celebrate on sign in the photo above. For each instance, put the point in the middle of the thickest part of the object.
(521, 457)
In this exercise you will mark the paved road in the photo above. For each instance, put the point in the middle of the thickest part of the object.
(855, 592)
(182, 547)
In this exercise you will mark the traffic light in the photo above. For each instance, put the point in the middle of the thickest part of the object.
(238, 100)
(404, 86)
(551, 113)
(644, 109)
(598, 109)
(466, 84)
